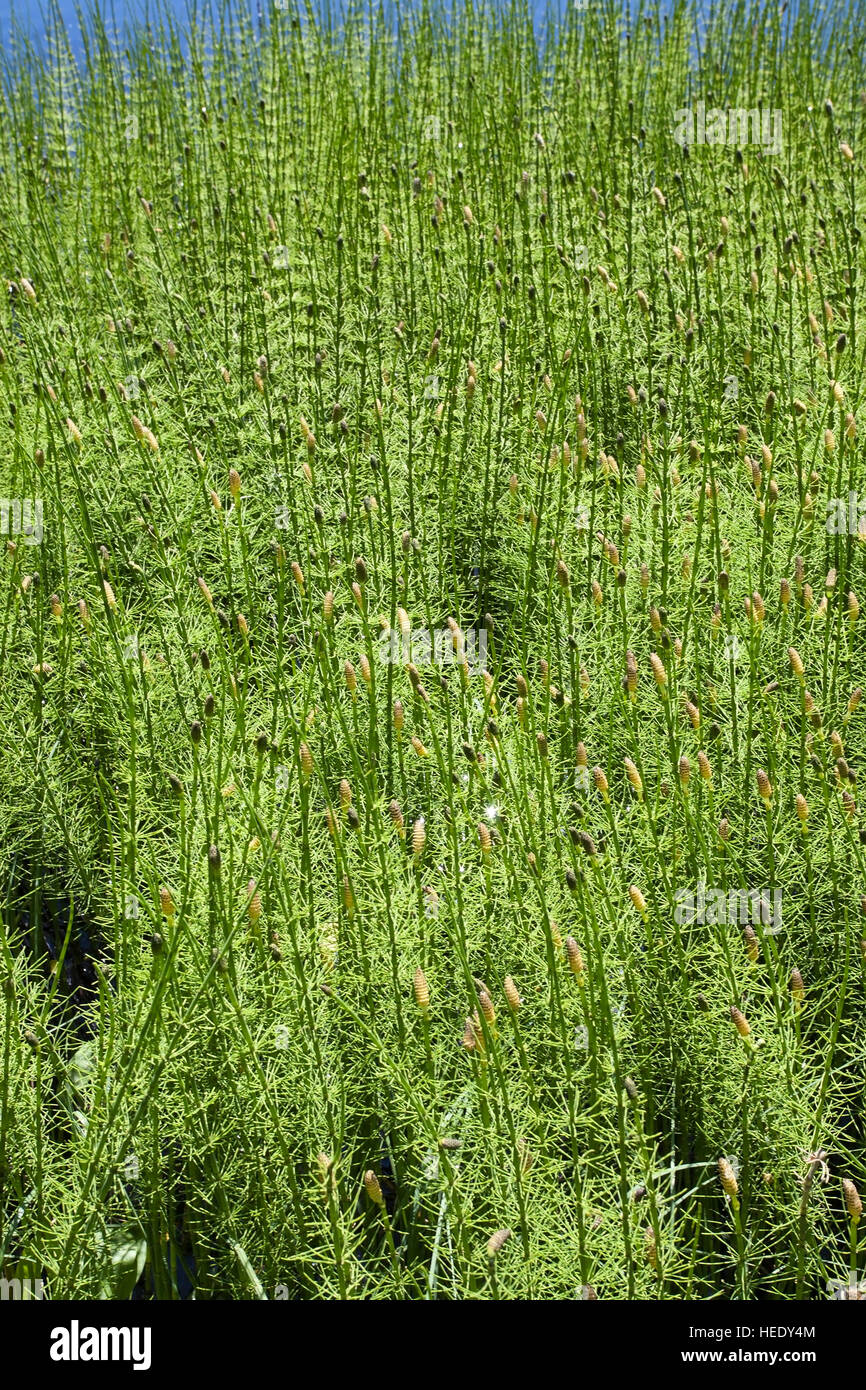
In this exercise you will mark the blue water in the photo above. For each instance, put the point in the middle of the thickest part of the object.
(29, 16)
(30, 13)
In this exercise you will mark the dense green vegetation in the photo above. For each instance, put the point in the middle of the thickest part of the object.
(332, 975)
